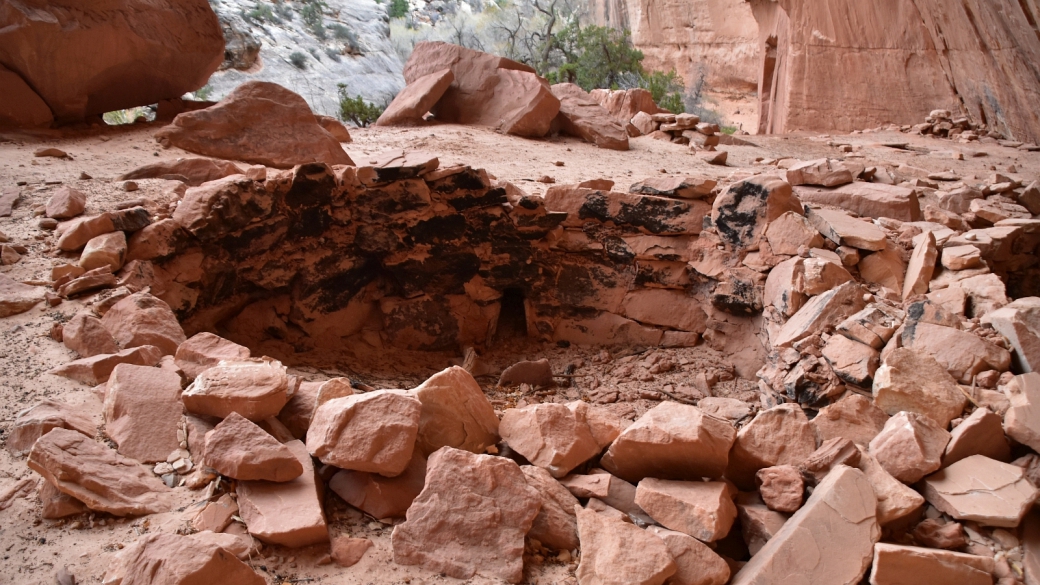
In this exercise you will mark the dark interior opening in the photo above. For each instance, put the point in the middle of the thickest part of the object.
(512, 318)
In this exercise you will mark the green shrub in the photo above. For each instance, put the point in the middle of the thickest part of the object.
(298, 59)
(202, 94)
(312, 15)
(356, 110)
(333, 54)
(284, 11)
(260, 13)
(666, 88)
(595, 57)
(349, 37)
(398, 8)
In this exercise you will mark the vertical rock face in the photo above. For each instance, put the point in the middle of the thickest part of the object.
(922, 54)
(89, 58)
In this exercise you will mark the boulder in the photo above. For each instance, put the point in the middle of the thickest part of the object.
(21, 106)
(255, 388)
(823, 311)
(334, 127)
(608, 490)
(910, 446)
(455, 413)
(549, 435)
(85, 335)
(195, 170)
(778, 436)
(789, 232)
(921, 266)
(536, 373)
(66, 203)
(874, 200)
(695, 562)
(913, 381)
(604, 425)
(854, 417)
(743, 212)
(104, 250)
(896, 564)
(16, 297)
(96, 369)
(833, 452)
(488, 538)
(143, 411)
(963, 354)
(986, 293)
(829, 540)
(89, 63)
(172, 559)
(1022, 421)
(614, 552)
(379, 496)
(782, 487)
(703, 510)
(416, 99)
(555, 526)
(205, 350)
(845, 230)
(142, 319)
(216, 515)
(784, 287)
(239, 449)
(961, 257)
(38, 420)
(259, 122)
(285, 513)
(75, 234)
(677, 187)
(644, 123)
(372, 432)
(982, 490)
(98, 476)
(55, 505)
(1019, 322)
(895, 500)
(626, 104)
(823, 172)
(981, 433)
(671, 441)
(583, 117)
(854, 362)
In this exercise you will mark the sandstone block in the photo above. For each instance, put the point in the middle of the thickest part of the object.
(854, 418)
(782, 487)
(142, 319)
(845, 230)
(742, 214)
(618, 553)
(372, 432)
(873, 326)
(921, 266)
(183, 560)
(874, 200)
(455, 413)
(913, 381)
(895, 500)
(205, 350)
(196, 170)
(256, 389)
(96, 369)
(677, 187)
(286, 513)
(85, 335)
(16, 297)
(695, 562)
(550, 436)
(983, 490)
(962, 353)
(582, 116)
(703, 510)
(416, 99)
(823, 172)
(910, 446)
(239, 449)
(55, 504)
(961, 257)
(1019, 322)
(36, 421)
(104, 250)
(822, 311)
(758, 523)
(379, 496)
(781, 435)
(555, 526)
(896, 564)
(854, 362)
(1022, 420)
(66, 203)
(981, 433)
(143, 411)
(789, 232)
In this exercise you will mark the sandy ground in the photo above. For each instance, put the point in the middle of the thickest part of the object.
(34, 549)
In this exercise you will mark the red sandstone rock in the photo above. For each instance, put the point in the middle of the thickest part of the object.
(85, 335)
(854, 418)
(611, 491)
(54, 504)
(34, 422)
(854, 362)
(782, 487)
(789, 232)
(983, 490)
(416, 99)
(910, 446)
(239, 449)
(555, 526)
(822, 311)
(455, 413)
(742, 214)
(97, 475)
(550, 436)
(378, 496)
(104, 250)
(440, 539)
(843, 229)
(536, 373)
(66, 203)
(667, 308)
(286, 513)
(695, 562)
(21, 106)
(205, 350)
(921, 266)
(215, 209)
(677, 187)
(256, 389)
(963, 354)
(1019, 322)
(1022, 421)
(258, 122)
(183, 560)
(96, 369)
(758, 523)
(196, 170)
(895, 564)
(347, 551)
(981, 433)
(913, 381)
(216, 516)
(334, 127)
(778, 436)
(873, 200)
(703, 510)
(838, 523)
(142, 319)
(625, 104)
(372, 432)
(823, 172)
(873, 326)
(143, 411)
(671, 441)
(937, 533)
(615, 553)
(583, 117)
(88, 63)
(16, 297)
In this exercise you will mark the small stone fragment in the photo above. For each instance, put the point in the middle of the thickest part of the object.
(897, 564)
(782, 487)
(536, 373)
(346, 551)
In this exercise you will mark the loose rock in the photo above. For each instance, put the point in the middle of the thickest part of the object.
(372, 432)
(617, 553)
(455, 413)
(983, 490)
(549, 435)
(910, 446)
(256, 389)
(287, 513)
(241, 450)
(143, 411)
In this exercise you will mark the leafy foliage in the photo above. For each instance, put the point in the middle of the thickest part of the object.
(260, 13)
(348, 36)
(596, 56)
(667, 89)
(356, 110)
(397, 8)
(298, 59)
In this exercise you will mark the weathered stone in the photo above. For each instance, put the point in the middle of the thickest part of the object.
(416, 99)
(937, 533)
(961, 257)
(378, 496)
(1019, 322)
(66, 203)
(143, 411)
(85, 335)
(216, 515)
(618, 553)
(182, 560)
(671, 441)
(910, 446)
(550, 436)
(895, 500)
(981, 433)
(843, 229)
(885, 268)
(789, 232)
(21, 106)
(286, 513)
(96, 369)
(104, 250)
(823, 172)
(582, 116)
(536, 373)
(829, 540)
(784, 287)
(873, 325)
(874, 200)
(833, 452)
(611, 491)
(696, 563)
(489, 538)
(782, 487)
(214, 210)
(823, 311)
(347, 551)
(704, 510)
(678, 187)
(259, 122)
(921, 266)
(256, 389)
(455, 413)
(896, 564)
(983, 490)
(778, 436)
(36, 421)
(96, 475)
(963, 354)
(1022, 421)
(372, 432)
(16, 297)
(854, 418)
(854, 362)
(913, 381)
(241, 450)
(142, 319)
(986, 293)
(822, 275)
(196, 170)
(757, 522)
(556, 526)
(55, 504)
(205, 350)
(742, 214)
(667, 308)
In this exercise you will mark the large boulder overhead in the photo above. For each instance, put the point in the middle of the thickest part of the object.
(87, 58)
